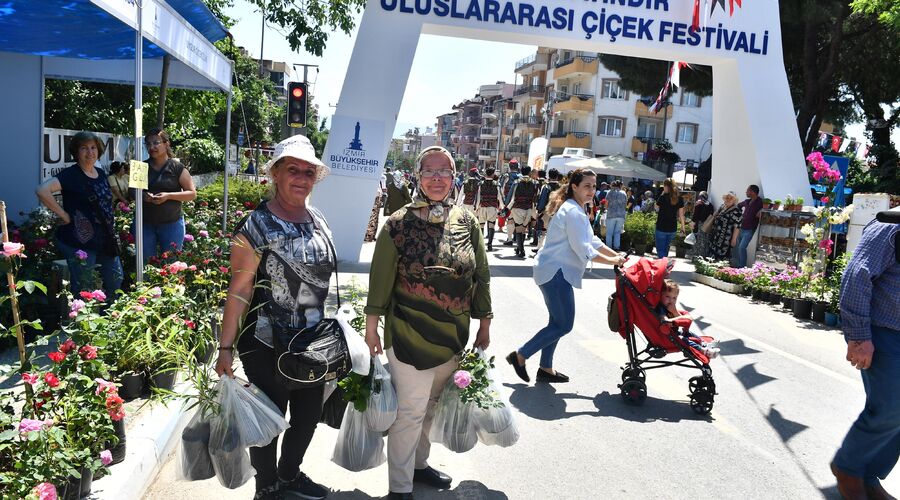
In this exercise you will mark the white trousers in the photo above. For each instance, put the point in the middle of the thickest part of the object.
(417, 394)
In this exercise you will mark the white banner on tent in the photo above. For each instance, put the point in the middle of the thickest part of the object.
(56, 150)
(355, 147)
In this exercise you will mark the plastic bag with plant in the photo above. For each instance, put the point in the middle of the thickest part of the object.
(358, 448)
(382, 408)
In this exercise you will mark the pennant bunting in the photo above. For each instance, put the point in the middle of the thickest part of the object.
(824, 140)
(836, 142)
(844, 146)
(695, 18)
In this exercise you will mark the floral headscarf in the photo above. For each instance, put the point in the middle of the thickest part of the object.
(436, 208)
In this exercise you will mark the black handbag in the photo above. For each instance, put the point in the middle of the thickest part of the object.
(112, 244)
(314, 355)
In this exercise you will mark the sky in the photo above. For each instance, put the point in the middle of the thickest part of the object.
(436, 81)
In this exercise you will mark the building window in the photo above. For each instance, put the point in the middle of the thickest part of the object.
(687, 133)
(689, 99)
(612, 90)
(611, 126)
(648, 128)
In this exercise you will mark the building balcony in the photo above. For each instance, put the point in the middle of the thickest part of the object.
(489, 132)
(515, 148)
(573, 102)
(640, 143)
(530, 122)
(570, 140)
(487, 153)
(471, 139)
(642, 110)
(576, 66)
(526, 91)
(532, 63)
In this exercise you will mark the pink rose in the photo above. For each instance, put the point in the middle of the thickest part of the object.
(12, 249)
(76, 306)
(142, 300)
(98, 295)
(825, 199)
(51, 379)
(139, 308)
(156, 292)
(204, 233)
(28, 425)
(462, 379)
(189, 237)
(88, 352)
(67, 346)
(30, 378)
(105, 457)
(105, 386)
(45, 491)
(81, 254)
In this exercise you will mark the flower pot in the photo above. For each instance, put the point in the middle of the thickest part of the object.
(757, 294)
(680, 252)
(802, 308)
(746, 291)
(205, 353)
(831, 319)
(818, 311)
(640, 248)
(118, 450)
(87, 479)
(788, 302)
(132, 385)
(163, 379)
(194, 459)
(774, 298)
(70, 490)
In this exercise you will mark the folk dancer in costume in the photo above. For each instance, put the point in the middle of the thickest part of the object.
(541, 206)
(489, 204)
(511, 177)
(468, 195)
(521, 206)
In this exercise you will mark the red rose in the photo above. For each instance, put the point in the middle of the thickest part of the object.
(51, 379)
(114, 406)
(67, 346)
(56, 357)
(223, 269)
(88, 352)
(204, 204)
(190, 324)
(86, 295)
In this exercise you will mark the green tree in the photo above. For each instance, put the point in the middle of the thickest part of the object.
(888, 11)
(308, 24)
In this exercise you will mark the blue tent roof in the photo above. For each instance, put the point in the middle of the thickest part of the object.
(78, 28)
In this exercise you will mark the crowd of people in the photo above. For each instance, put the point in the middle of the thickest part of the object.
(428, 279)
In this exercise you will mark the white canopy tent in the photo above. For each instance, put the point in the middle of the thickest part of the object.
(618, 166)
(101, 41)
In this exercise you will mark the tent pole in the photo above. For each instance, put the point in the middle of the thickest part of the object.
(227, 152)
(138, 135)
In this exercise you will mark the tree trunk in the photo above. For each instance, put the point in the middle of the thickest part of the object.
(163, 87)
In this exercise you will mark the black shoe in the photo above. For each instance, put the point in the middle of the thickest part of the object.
(271, 493)
(303, 487)
(513, 359)
(432, 477)
(508, 243)
(399, 496)
(550, 378)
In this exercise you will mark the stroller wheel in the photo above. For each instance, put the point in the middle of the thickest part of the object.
(702, 401)
(634, 391)
(637, 373)
(701, 383)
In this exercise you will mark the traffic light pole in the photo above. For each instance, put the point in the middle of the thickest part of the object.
(305, 129)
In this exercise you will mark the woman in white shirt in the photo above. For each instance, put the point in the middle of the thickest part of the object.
(558, 267)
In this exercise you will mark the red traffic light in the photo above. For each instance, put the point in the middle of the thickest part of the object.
(297, 92)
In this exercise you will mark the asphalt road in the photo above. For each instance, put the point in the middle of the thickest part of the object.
(786, 399)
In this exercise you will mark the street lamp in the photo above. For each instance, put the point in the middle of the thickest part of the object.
(708, 141)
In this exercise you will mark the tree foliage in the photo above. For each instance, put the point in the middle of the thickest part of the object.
(307, 23)
(888, 11)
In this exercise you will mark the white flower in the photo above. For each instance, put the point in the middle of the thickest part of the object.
(807, 229)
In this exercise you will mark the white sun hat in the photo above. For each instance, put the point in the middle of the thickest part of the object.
(299, 147)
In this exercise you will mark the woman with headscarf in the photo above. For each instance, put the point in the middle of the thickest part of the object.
(726, 226)
(282, 257)
(429, 277)
(397, 192)
(703, 209)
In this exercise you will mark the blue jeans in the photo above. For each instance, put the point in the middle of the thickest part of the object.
(743, 242)
(614, 229)
(872, 445)
(560, 299)
(80, 271)
(663, 242)
(159, 238)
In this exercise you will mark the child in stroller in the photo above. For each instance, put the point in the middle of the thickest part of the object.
(668, 311)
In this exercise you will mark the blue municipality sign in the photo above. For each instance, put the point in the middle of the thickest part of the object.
(357, 150)
(240, 139)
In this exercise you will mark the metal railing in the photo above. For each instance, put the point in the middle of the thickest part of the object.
(521, 63)
(489, 131)
(570, 60)
(530, 89)
(565, 96)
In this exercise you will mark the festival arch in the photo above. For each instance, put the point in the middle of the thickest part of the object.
(755, 136)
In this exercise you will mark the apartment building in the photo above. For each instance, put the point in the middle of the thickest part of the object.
(524, 120)
(445, 129)
(475, 127)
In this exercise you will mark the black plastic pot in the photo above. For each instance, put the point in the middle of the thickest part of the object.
(163, 379)
(680, 251)
(87, 480)
(132, 385)
(757, 294)
(196, 463)
(205, 354)
(818, 311)
(788, 302)
(640, 248)
(802, 308)
(118, 450)
(774, 298)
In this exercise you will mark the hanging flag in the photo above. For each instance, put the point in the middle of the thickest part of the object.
(695, 19)
(836, 142)
(844, 146)
(824, 140)
(714, 2)
(675, 72)
(863, 152)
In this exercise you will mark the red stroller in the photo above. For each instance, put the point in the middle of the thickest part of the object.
(638, 291)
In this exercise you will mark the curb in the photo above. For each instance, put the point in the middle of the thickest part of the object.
(150, 443)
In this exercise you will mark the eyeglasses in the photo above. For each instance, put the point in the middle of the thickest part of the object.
(445, 173)
(150, 144)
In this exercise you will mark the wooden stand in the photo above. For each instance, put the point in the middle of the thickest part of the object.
(14, 301)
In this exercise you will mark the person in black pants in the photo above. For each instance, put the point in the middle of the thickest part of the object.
(281, 261)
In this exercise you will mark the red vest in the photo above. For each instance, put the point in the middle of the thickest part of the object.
(470, 190)
(526, 188)
(489, 194)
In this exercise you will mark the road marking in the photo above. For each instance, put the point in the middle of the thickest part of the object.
(770, 348)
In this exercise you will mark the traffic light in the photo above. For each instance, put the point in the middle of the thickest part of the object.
(296, 112)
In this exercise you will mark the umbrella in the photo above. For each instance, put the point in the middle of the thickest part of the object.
(617, 165)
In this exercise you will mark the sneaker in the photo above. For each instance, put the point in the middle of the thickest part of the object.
(303, 487)
(271, 493)
(711, 352)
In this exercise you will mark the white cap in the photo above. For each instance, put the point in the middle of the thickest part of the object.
(299, 147)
